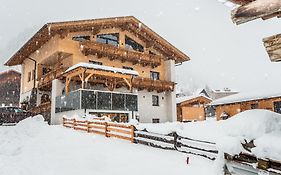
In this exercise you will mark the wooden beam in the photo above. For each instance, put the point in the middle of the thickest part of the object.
(256, 9)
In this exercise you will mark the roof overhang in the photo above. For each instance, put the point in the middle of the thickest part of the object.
(255, 9)
(128, 23)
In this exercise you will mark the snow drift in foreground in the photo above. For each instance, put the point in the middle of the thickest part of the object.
(262, 126)
(32, 147)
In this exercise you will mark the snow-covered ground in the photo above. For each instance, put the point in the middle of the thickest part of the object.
(262, 126)
(32, 147)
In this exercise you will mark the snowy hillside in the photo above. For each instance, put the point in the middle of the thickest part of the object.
(33, 147)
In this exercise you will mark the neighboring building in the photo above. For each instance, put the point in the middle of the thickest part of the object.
(217, 94)
(113, 66)
(192, 108)
(10, 88)
(273, 47)
(234, 104)
(249, 10)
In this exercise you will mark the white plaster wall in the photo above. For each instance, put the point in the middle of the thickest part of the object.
(57, 119)
(147, 112)
(57, 87)
(171, 96)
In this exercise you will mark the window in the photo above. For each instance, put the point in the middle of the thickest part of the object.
(111, 38)
(29, 77)
(133, 45)
(155, 100)
(95, 62)
(154, 75)
(254, 106)
(151, 53)
(81, 38)
(155, 120)
(45, 70)
(128, 68)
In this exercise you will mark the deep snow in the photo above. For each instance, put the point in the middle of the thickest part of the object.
(262, 126)
(33, 147)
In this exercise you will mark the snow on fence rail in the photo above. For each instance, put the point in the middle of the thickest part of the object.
(173, 141)
(107, 129)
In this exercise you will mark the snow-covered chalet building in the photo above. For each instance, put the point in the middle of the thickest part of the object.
(111, 66)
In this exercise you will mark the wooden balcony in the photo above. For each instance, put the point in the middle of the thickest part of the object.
(45, 82)
(151, 85)
(117, 53)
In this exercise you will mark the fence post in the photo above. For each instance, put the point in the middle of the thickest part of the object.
(74, 123)
(63, 121)
(132, 133)
(105, 129)
(176, 144)
(88, 126)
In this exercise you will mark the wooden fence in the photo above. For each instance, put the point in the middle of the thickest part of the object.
(171, 141)
(107, 129)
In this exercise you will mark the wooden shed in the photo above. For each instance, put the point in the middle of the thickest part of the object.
(192, 108)
(234, 104)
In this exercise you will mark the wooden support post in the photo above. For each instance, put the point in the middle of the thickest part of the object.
(67, 83)
(88, 126)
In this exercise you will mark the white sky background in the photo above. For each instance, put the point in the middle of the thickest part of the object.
(223, 54)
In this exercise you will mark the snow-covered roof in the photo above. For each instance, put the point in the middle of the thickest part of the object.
(186, 98)
(101, 67)
(246, 96)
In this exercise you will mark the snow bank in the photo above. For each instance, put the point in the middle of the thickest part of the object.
(32, 147)
(262, 126)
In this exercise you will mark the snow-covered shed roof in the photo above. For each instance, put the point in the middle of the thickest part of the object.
(273, 47)
(246, 96)
(101, 67)
(191, 97)
(128, 23)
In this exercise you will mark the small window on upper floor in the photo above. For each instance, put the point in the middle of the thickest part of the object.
(155, 100)
(133, 45)
(155, 120)
(95, 62)
(255, 106)
(151, 53)
(128, 68)
(81, 38)
(154, 75)
(29, 77)
(111, 38)
(45, 70)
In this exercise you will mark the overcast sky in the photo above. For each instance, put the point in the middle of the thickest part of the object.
(223, 54)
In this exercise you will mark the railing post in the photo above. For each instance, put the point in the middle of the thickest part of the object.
(63, 121)
(132, 133)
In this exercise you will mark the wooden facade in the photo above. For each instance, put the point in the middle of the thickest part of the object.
(192, 109)
(231, 109)
(10, 88)
(273, 47)
(249, 10)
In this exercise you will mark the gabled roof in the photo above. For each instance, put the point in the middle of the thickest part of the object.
(128, 23)
(191, 98)
(10, 71)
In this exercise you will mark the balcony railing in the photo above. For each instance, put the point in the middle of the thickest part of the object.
(92, 48)
(46, 79)
(151, 85)
(96, 100)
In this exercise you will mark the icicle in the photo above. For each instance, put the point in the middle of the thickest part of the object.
(49, 30)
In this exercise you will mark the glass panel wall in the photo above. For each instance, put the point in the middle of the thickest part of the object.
(100, 100)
